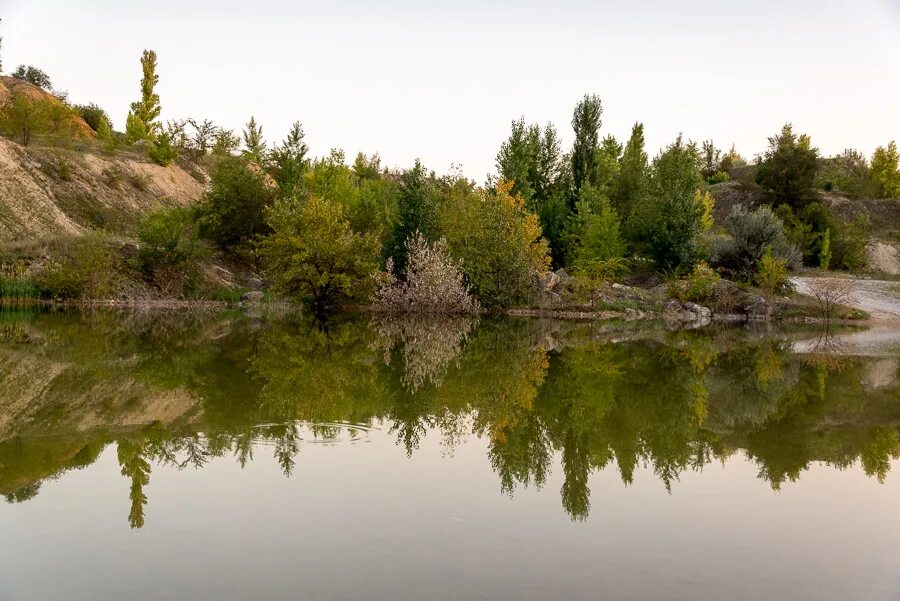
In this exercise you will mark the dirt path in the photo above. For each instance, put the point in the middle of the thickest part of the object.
(878, 298)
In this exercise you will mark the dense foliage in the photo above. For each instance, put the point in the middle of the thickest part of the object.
(312, 253)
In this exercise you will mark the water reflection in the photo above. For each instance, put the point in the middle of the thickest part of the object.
(182, 389)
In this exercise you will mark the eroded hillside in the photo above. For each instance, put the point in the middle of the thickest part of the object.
(50, 192)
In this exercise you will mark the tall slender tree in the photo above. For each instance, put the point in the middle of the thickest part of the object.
(632, 176)
(144, 113)
(586, 123)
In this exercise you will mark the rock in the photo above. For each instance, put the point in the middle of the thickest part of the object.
(756, 306)
(253, 296)
(700, 311)
(549, 281)
(255, 283)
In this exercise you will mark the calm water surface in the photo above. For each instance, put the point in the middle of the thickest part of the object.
(227, 457)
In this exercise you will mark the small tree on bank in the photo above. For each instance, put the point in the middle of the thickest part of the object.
(313, 254)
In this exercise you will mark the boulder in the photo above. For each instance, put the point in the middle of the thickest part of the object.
(253, 296)
(700, 311)
(757, 307)
(255, 283)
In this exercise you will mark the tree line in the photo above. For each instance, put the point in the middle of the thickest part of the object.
(331, 231)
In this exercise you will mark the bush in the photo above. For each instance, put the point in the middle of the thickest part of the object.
(313, 254)
(772, 273)
(162, 151)
(171, 252)
(92, 114)
(141, 181)
(750, 233)
(848, 244)
(88, 268)
(233, 213)
(433, 283)
(699, 286)
(719, 177)
(815, 226)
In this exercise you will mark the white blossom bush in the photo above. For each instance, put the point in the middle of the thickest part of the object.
(434, 282)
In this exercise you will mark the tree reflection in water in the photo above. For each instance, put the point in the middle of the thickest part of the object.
(538, 392)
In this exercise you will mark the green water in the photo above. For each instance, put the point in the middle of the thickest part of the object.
(222, 456)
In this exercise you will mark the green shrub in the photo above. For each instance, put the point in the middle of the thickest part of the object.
(171, 253)
(113, 176)
(92, 114)
(699, 286)
(141, 181)
(233, 213)
(313, 254)
(88, 268)
(772, 274)
(162, 151)
(718, 177)
(750, 233)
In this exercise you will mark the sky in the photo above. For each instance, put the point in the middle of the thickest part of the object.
(441, 81)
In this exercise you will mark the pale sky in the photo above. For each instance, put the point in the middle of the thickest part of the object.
(442, 81)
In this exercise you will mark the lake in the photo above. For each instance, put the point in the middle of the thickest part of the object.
(173, 456)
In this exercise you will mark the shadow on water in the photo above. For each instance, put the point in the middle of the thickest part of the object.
(180, 389)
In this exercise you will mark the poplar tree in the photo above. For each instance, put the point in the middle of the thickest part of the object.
(632, 173)
(142, 123)
(586, 123)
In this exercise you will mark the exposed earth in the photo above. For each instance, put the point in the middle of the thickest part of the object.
(879, 298)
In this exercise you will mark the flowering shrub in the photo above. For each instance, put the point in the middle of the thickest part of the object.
(433, 283)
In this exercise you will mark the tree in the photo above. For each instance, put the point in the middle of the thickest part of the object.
(289, 162)
(92, 114)
(145, 112)
(32, 75)
(788, 168)
(632, 173)
(204, 136)
(586, 123)
(669, 217)
(233, 213)
(366, 168)
(225, 143)
(885, 172)
(498, 242)
(254, 143)
(313, 254)
(847, 172)
(531, 160)
(517, 161)
(1, 56)
(600, 237)
(416, 212)
(23, 117)
(711, 158)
